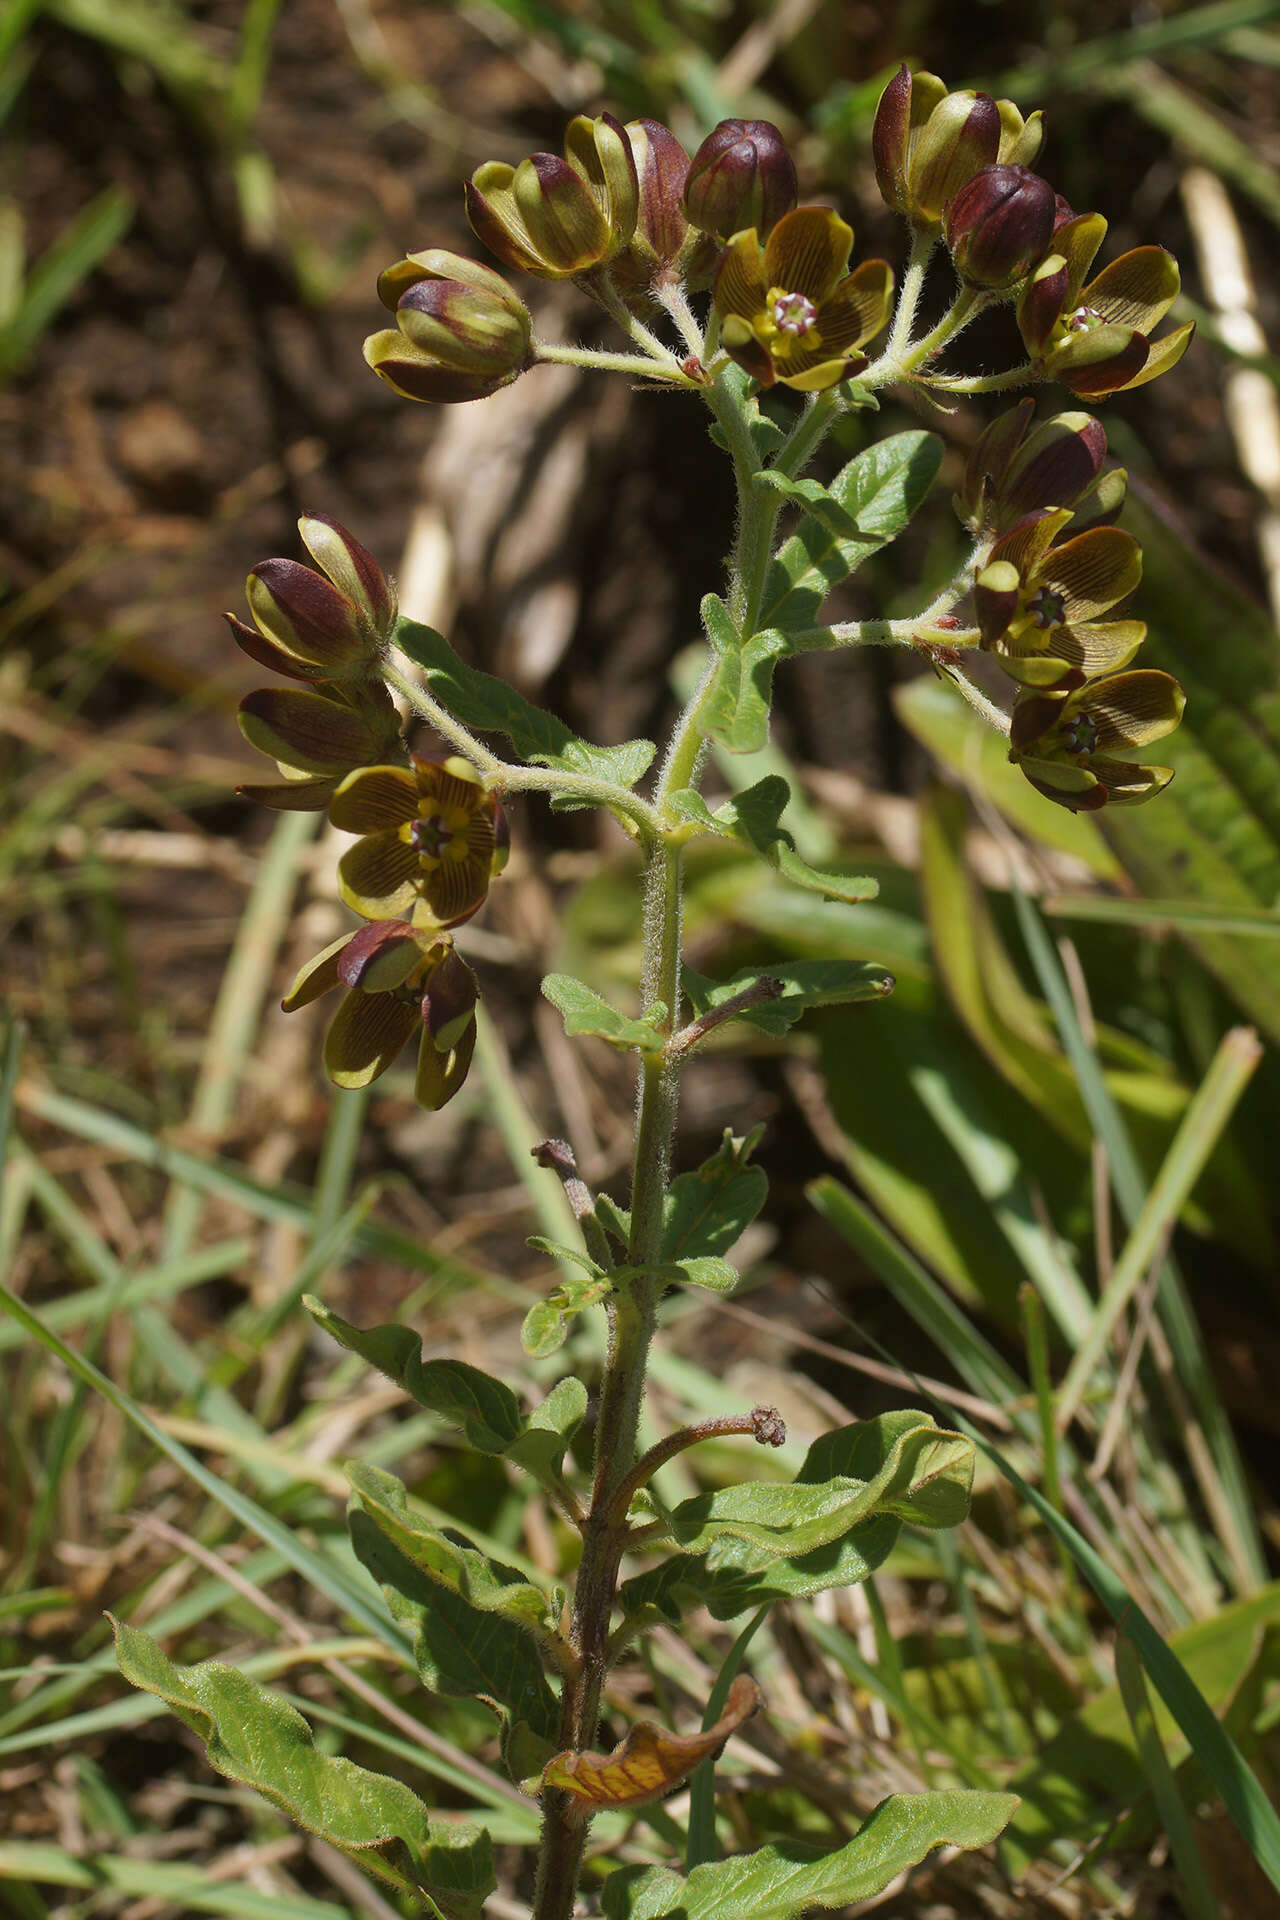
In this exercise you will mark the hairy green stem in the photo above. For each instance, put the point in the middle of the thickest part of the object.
(647, 365)
(632, 1318)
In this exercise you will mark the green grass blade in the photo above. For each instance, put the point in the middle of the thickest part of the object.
(1228, 1770)
(1199, 1899)
(155, 1880)
(237, 1012)
(55, 276)
(1224, 1486)
(1202, 1125)
(342, 1590)
(1188, 915)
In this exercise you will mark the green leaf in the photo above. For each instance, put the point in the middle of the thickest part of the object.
(812, 497)
(804, 984)
(735, 710)
(550, 1427)
(753, 817)
(898, 1464)
(879, 490)
(448, 1558)
(748, 1545)
(486, 1410)
(547, 1323)
(260, 1741)
(482, 701)
(726, 1588)
(702, 1270)
(766, 437)
(780, 1881)
(459, 1648)
(707, 1210)
(585, 1011)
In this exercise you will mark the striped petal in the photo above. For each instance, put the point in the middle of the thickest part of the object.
(377, 876)
(365, 1035)
(374, 800)
(1094, 571)
(807, 252)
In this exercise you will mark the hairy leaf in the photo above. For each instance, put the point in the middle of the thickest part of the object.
(486, 1410)
(482, 701)
(754, 817)
(585, 1012)
(259, 1740)
(735, 711)
(547, 1323)
(448, 1558)
(812, 497)
(757, 1542)
(648, 1762)
(707, 1210)
(879, 490)
(787, 1878)
(550, 1427)
(803, 983)
(459, 1648)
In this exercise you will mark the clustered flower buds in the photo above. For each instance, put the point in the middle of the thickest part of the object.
(928, 143)
(560, 218)
(1040, 597)
(431, 835)
(328, 629)
(741, 176)
(461, 332)
(998, 225)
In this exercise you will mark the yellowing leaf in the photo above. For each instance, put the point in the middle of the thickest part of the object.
(649, 1761)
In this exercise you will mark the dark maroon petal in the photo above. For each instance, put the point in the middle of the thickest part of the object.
(268, 654)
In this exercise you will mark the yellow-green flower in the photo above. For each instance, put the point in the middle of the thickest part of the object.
(1068, 744)
(1039, 604)
(432, 837)
(790, 312)
(1096, 337)
(401, 980)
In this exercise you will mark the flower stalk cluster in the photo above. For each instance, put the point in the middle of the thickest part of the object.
(642, 228)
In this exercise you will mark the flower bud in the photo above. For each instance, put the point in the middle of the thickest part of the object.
(741, 176)
(927, 142)
(461, 333)
(560, 218)
(998, 225)
(1013, 472)
(663, 238)
(314, 628)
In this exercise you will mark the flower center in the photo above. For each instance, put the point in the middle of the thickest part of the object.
(429, 835)
(792, 313)
(1083, 320)
(1047, 608)
(1080, 733)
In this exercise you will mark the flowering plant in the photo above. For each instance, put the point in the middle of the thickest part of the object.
(641, 229)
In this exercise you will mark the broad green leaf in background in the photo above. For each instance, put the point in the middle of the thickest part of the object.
(1215, 837)
(259, 1740)
(482, 701)
(879, 489)
(785, 1879)
(1090, 1770)
(586, 1012)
